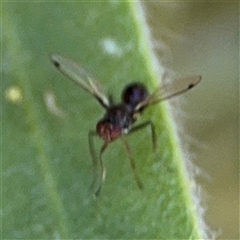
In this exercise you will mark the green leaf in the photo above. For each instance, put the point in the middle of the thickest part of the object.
(46, 162)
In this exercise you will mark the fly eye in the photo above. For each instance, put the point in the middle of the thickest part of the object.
(134, 94)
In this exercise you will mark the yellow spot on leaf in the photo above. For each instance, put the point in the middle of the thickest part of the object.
(14, 94)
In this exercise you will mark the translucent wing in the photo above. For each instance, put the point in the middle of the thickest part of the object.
(170, 90)
(75, 72)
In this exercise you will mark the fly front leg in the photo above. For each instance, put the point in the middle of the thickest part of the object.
(103, 169)
(97, 180)
(153, 131)
(95, 168)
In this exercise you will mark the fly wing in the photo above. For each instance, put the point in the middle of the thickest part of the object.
(169, 91)
(80, 76)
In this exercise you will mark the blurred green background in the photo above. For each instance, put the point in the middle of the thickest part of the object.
(203, 38)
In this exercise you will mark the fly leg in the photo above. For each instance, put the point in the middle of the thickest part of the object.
(95, 169)
(103, 169)
(153, 131)
(97, 180)
(132, 163)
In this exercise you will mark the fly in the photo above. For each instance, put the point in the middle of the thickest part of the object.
(119, 119)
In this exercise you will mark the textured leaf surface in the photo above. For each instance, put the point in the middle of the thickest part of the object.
(46, 161)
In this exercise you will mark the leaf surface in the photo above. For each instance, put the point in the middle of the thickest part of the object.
(46, 161)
